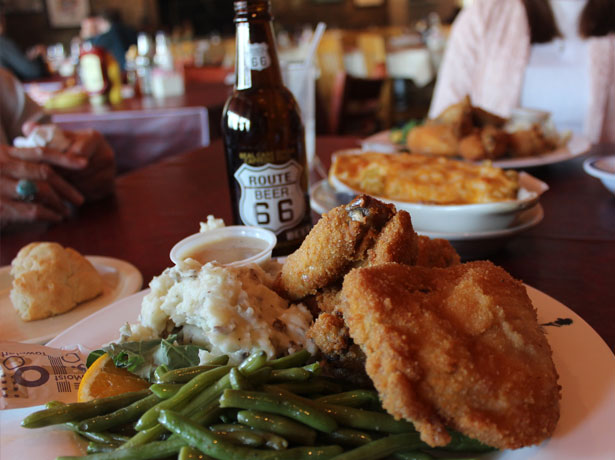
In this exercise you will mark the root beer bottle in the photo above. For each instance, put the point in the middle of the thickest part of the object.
(264, 136)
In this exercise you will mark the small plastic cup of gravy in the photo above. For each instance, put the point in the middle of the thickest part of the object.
(232, 246)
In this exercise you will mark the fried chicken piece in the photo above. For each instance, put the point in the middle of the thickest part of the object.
(434, 139)
(340, 240)
(455, 347)
(342, 358)
(435, 252)
(482, 117)
(397, 242)
(458, 116)
(529, 142)
(487, 143)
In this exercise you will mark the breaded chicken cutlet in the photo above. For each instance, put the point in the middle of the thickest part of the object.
(365, 232)
(339, 241)
(458, 347)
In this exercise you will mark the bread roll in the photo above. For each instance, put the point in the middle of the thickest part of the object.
(50, 280)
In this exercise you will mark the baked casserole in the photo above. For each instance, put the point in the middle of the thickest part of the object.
(424, 179)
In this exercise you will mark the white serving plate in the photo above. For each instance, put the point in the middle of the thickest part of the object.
(465, 218)
(120, 279)
(584, 430)
(576, 146)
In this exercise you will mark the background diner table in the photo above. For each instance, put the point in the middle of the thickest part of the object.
(144, 129)
(570, 255)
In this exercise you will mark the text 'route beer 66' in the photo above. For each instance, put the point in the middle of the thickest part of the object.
(264, 136)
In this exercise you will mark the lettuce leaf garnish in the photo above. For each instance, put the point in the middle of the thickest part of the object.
(142, 358)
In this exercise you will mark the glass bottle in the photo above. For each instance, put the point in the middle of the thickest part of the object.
(263, 135)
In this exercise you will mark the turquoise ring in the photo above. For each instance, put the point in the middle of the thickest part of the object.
(26, 190)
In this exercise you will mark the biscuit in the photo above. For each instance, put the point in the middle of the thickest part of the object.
(50, 280)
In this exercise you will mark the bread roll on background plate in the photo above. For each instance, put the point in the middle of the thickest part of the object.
(49, 280)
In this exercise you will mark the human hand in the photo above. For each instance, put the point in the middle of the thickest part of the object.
(89, 161)
(51, 192)
(96, 178)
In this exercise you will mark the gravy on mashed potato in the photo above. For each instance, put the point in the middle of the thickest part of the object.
(228, 310)
(226, 250)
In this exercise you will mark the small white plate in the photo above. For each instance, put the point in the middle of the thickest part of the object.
(576, 146)
(584, 430)
(120, 279)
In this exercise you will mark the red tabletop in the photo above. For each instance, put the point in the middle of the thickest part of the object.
(570, 255)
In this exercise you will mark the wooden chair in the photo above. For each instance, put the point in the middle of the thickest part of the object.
(358, 105)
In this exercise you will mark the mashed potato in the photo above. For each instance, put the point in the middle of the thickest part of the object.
(228, 310)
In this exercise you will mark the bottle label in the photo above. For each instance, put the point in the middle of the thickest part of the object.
(271, 195)
(257, 56)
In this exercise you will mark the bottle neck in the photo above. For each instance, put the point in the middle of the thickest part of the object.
(256, 58)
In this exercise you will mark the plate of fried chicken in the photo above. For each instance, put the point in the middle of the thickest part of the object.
(447, 345)
(465, 131)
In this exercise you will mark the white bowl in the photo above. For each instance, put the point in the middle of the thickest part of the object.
(468, 218)
(185, 247)
(603, 168)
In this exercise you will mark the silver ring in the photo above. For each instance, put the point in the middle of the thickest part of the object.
(26, 190)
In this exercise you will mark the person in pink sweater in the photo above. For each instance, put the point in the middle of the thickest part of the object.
(552, 55)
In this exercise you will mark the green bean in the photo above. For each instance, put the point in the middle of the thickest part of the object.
(272, 440)
(238, 380)
(296, 359)
(349, 416)
(160, 371)
(96, 447)
(182, 397)
(145, 436)
(314, 386)
(253, 362)
(119, 417)
(347, 437)
(211, 444)
(221, 360)
(353, 398)
(165, 390)
(204, 415)
(103, 438)
(297, 410)
(314, 368)
(153, 450)
(190, 453)
(260, 376)
(241, 438)
(184, 374)
(283, 426)
(52, 404)
(383, 447)
(295, 374)
(206, 397)
(79, 411)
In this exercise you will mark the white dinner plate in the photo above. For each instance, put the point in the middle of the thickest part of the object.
(120, 279)
(576, 146)
(585, 365)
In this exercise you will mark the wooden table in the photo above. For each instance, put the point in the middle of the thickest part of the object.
(570, 255)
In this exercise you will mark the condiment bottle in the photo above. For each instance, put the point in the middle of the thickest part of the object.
(100, 75)
(264, 136)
